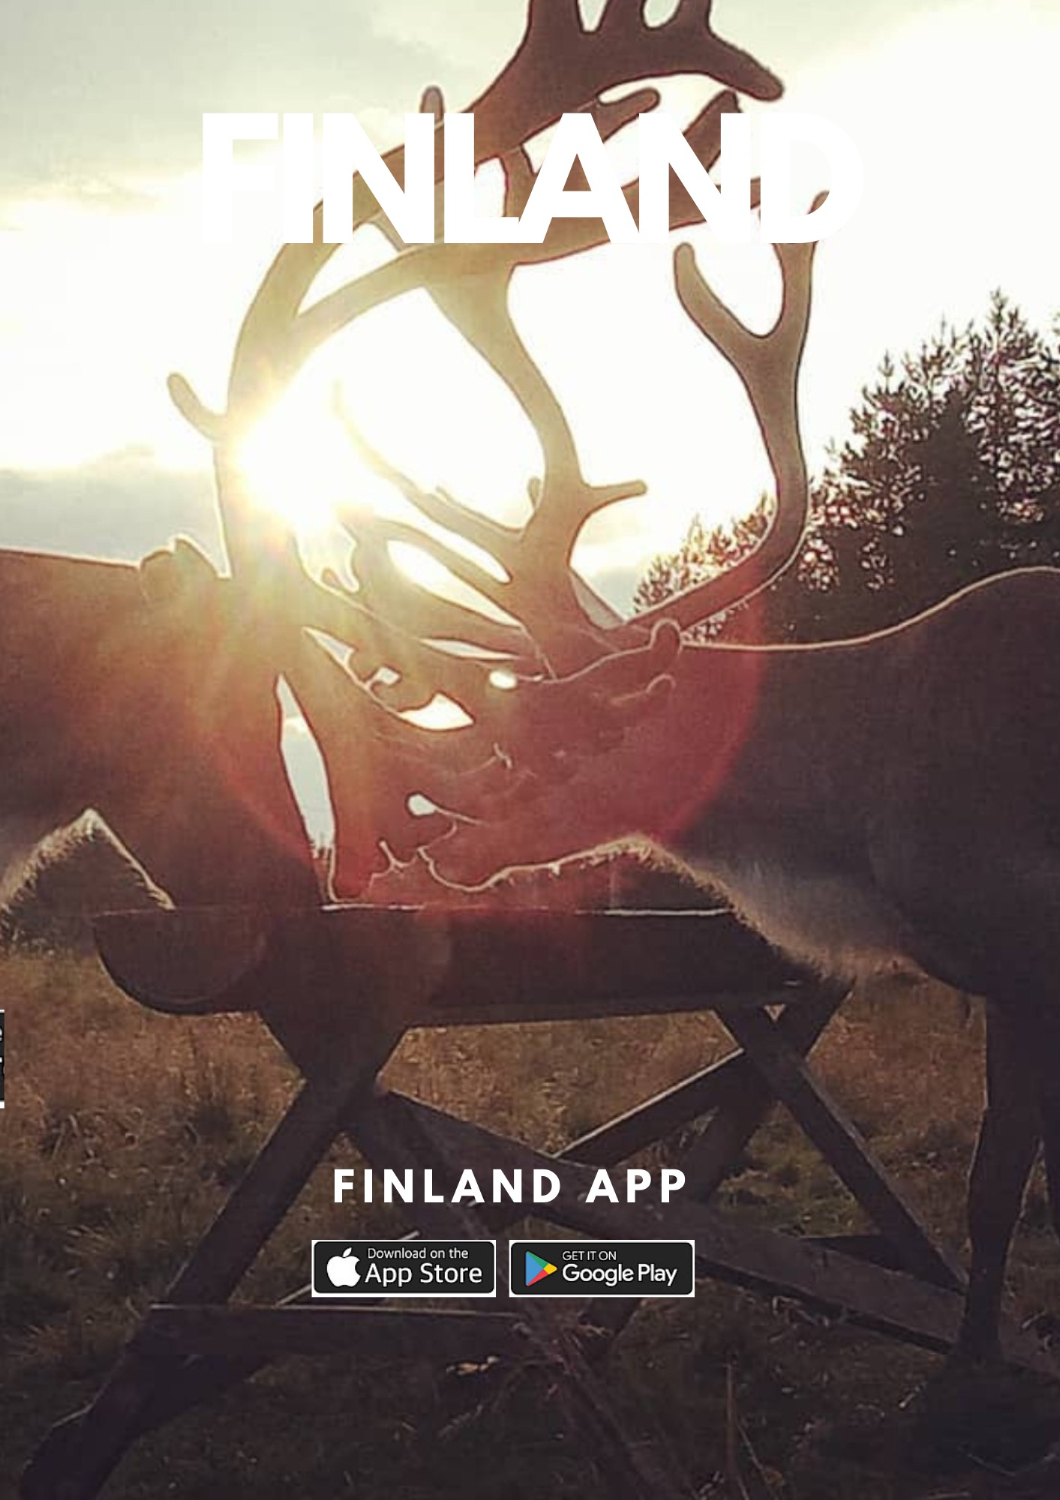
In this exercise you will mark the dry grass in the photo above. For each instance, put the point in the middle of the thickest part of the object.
(124, 1130)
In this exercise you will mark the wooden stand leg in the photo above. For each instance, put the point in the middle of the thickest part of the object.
(721, 1087)
(79, 1454)
(749, 1098)
(742, 1101)
(838, 1140)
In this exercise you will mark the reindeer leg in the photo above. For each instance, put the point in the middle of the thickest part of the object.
(986, 923)
(1008, 1143)
(1047, 1058)
(1043, 1476)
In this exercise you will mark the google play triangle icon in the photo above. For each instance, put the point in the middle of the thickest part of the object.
(537, 1269)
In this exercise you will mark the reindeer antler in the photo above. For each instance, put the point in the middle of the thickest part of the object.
(551, 621)
(768, 365)
(558, 609)
(561, 65)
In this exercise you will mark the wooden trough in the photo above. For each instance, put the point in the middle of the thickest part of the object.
(338, 988)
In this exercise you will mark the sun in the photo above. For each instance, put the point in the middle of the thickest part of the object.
(300, 464)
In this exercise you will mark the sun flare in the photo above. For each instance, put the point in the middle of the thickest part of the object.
(300, 464)
(436, 409)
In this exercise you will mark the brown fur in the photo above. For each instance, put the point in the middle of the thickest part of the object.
(891, 801)
(145, 694)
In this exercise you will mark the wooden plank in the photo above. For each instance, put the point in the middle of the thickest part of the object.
(520, 963)
(531, 958)
(540, 1003)
(183, 962)
(201, 1380)
(871, 1247)
(842, 1146)
(262, 1333)
(853, 1290)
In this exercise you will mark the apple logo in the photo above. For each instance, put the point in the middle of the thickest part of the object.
(342, 1269)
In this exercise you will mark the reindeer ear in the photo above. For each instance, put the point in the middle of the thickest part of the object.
(179, 573)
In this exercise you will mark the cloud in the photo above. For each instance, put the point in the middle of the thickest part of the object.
(460, 31)
(92, 91)
(122, 506)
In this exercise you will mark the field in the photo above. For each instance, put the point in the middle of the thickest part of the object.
(123, 1130)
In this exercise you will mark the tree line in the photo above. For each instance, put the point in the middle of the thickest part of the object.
(951, 473)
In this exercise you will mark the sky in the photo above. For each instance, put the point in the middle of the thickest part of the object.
(106, 285)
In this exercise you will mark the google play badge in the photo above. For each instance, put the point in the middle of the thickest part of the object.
(537, 1269)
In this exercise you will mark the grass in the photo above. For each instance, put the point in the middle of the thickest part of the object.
(124, 1130)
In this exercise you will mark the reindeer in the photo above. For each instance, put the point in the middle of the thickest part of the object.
(882, 802)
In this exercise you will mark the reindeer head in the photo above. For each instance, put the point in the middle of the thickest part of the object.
(582, 675)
